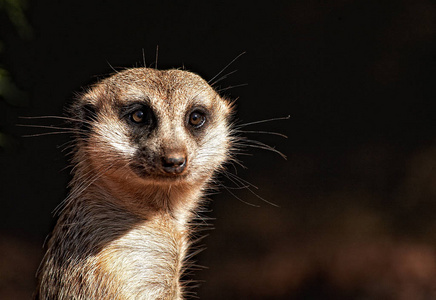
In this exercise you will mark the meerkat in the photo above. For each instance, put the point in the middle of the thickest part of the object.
(147, 144)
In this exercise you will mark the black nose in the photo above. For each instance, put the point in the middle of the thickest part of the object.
(174, 163)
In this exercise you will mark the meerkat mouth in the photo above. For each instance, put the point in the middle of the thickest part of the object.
(159, 175)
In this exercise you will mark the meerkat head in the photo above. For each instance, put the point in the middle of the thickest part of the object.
(158, 127)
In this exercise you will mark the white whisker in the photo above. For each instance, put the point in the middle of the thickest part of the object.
(263, 132)
(263, 121)
(223, 69)
(46, 133)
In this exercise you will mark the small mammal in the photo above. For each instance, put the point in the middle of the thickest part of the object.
(147, 146)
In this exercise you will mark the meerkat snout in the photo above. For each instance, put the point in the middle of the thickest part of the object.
(174, 162)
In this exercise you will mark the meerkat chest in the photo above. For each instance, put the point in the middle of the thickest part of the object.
(146, 262)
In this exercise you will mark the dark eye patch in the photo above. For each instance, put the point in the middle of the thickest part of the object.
(138, 114)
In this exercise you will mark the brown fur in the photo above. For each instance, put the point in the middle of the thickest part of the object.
(123, 232)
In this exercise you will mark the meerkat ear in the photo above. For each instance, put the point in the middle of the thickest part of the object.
(229, 107)
(82, 115)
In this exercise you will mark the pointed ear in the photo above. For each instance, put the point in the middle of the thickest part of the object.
(83, 114)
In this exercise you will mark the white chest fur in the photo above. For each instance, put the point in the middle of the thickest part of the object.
(147, 261)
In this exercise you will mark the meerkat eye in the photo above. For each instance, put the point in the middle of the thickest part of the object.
(197, 119)
(138, 116)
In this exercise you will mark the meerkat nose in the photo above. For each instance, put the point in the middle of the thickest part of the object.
(174, 163)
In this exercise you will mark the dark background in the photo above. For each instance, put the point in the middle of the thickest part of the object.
(357, 192)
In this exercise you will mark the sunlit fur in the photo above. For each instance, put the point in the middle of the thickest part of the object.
(123, 233)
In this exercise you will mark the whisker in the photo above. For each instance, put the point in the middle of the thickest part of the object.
(232, 161)
(44, 126)
(262, 132)
(75, 194)
(45, 133)
(268, 148)
(231, 87)
(263, 121)
(260, 145)
(223, 77)
(56, 117)
(234, 187)
(238, 186)
(143, 58)
(242, 181)
(263, 199)
(233, 194)
(236, 177)
(112, 67)
(157, 55)
(228, 65)
(241, 153)
(67, 145)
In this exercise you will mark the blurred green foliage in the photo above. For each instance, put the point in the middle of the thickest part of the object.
(9, 92)
(15, 11)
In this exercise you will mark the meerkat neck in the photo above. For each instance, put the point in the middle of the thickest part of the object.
(122, 252)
